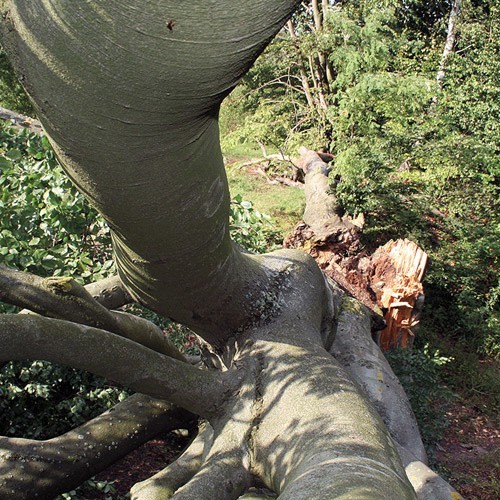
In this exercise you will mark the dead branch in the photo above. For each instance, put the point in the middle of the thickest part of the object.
(19, 121)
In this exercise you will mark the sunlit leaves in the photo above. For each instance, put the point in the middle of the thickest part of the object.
(47, 227)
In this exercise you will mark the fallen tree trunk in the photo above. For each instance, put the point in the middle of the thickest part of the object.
(391, 279)
(389, 282)
(146, 81)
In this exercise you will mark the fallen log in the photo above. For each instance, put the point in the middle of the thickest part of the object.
(389, 282)
(19, 121)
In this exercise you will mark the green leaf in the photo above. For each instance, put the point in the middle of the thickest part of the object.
(13, 154)
(5, 164)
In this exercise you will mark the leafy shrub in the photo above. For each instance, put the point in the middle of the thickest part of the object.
(250, 228)
(46, 225)
(40, 400)
(420, 373)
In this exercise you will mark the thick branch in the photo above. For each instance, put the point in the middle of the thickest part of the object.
(46, 468)
(109, 292)
(21, 121)
(64, 298)
(426, 483)
(362, 358)
(322, 213)
(223, 478)
(118, 359)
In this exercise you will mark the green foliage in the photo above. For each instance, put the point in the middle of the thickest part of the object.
(420, 373)
(283, 204)
(41, 400)
(250, 228)
(46, 226)
(419, 162)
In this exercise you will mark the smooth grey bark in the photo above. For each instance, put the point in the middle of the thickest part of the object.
(63, 298)
(144, 94)
(355, 349)
(113, 357)
(35, 469)
(177, 474)
(128, 92)
(364, 361)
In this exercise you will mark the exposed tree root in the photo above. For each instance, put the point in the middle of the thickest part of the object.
(165, 483)
(42, 469)
(219, 477)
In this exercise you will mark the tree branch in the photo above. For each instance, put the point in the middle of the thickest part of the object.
(46, 468)
(21, 121)
(363, 360)
(426, 483)
(168, 209)
(109, 292)
(64, 298)
(33, 337)
(322, 212)
(166, 482)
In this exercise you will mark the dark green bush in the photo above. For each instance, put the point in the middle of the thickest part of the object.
(420, 372)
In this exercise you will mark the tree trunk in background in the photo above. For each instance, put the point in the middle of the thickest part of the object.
(302, 71)
(450, 42)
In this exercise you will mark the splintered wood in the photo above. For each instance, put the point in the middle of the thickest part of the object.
(390, 280)
(397, 272)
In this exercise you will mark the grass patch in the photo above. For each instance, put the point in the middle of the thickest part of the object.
(284, 204)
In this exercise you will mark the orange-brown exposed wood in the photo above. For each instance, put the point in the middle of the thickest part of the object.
(389, 282)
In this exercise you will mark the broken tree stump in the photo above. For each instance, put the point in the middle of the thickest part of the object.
(398, 269)
(389, 281)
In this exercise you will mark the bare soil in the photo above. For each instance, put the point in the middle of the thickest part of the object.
(469, 454)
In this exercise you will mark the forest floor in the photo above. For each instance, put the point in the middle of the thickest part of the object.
(469, 453)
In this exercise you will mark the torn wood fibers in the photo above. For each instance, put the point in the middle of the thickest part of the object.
(389, 281)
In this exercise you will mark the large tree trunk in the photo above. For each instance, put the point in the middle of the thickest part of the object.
(128, 92)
